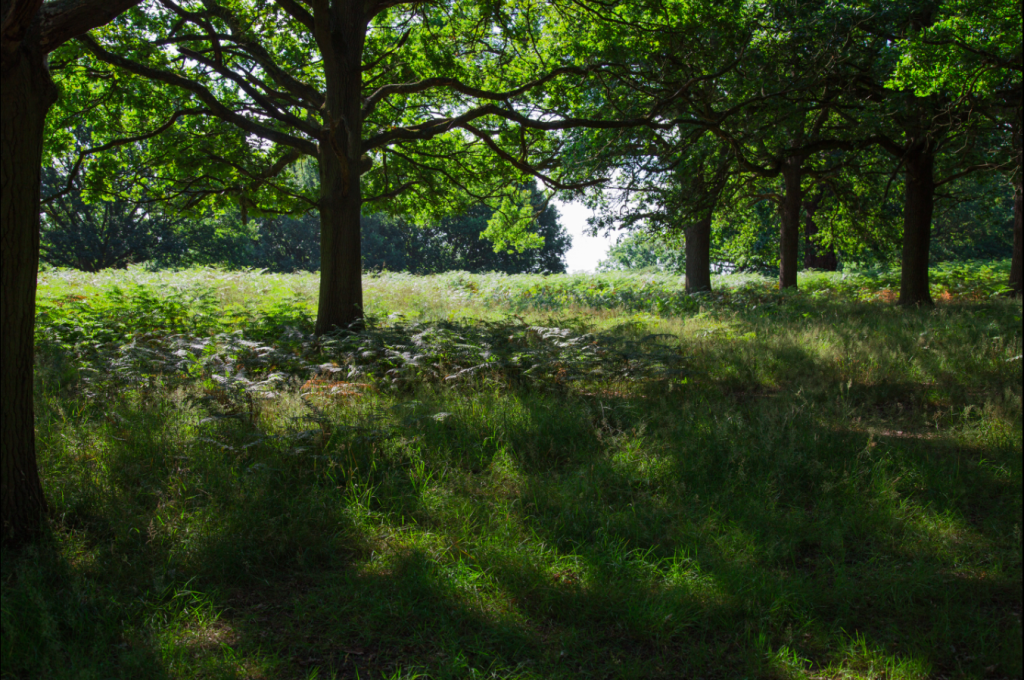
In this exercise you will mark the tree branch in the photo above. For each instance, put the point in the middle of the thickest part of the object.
(456, 86)
(972, 169)
(63, 20)
(116, 143)
(374, 7)
(989, 57)
(298, 12)
(300, 89)
(390, 194)
(18, 16)
(269, 107)
(525, 167)
(438, 126)
(217, 108)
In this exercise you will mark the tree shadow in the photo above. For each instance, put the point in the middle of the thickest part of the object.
(650, 533)
(816, 551)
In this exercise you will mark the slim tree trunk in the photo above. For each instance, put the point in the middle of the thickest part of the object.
(789, 241)
(341, 34)
(1018, 237)
(918, 204)
(28, 93)
(816, 257)
(698, 255)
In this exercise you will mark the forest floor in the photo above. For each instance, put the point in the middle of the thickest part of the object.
(523, 477)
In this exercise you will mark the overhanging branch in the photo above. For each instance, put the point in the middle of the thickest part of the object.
(76, 168)
(526, 168)
(455, 85)
(216, 107)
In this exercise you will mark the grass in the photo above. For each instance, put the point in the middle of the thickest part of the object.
(523, 477)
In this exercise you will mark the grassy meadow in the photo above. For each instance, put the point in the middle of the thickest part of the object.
(523, 477)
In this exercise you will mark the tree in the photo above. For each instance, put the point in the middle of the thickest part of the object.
(686, 55)
(971, 50)
(386, 96)
(457, 243)
(816, 255)
(639, 250)
(29, 31)
(115, 231)
(107, 232)
(941, 71)
(758, 93)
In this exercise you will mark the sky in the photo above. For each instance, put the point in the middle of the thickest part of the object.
(586, 251)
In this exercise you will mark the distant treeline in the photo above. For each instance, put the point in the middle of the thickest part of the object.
(119, 232)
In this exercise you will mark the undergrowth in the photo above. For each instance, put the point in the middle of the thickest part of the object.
(523, 477)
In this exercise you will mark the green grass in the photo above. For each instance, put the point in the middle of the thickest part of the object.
(523, 477)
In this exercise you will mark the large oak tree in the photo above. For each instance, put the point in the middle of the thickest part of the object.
(416, 107)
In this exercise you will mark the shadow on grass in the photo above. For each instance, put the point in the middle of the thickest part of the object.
(809, 534)
(56, 623)
(521, 533)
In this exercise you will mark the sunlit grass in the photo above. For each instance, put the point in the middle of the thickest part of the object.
(742, 484)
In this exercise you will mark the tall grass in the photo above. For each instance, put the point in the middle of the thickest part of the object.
(523, 477)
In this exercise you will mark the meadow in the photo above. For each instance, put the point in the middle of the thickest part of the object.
(524, 477)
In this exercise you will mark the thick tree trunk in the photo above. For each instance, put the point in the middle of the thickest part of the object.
(698, 255)
(816, 257)
(341, 34)
(28, 93)
(789, 241)
(918, 205)
(341, 268)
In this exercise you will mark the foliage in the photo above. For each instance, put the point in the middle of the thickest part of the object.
(107, 233)
(452, 108)
(967, 47)
(459, 243)
(535, 475)
(117, 231)
(974, 220)
(644, 251)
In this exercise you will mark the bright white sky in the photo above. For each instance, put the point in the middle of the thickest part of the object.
(586, 251)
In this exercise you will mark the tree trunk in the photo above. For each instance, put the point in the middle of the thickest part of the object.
(341, 34)
(698, 255)
(816, 257)
(789, 241)
(1018, 237)
(28, 93)
(341, 269)
(1018, 241)
(918, 204)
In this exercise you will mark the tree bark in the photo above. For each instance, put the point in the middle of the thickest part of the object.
(1018, 190)
(1018, 241)
(789, 241)
(698, 255)
(816, 257)
(918, 205)
(27, 35)
(28, 93)
(341, 34)
(341, 285)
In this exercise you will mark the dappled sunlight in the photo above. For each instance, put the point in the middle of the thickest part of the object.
(772, 488)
